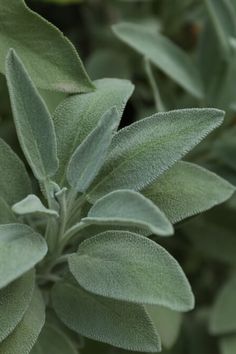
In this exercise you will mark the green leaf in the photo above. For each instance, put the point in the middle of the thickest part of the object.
(225, 147)
(90, 155)
(78, 115)
(126, 266)
(6, 214)
(23, 338)
(167, 323)
(14, 301)
(121, 324)
(163, 53)
(32, 119)
(32, 205)
(50, 58)
(187, 189)
(20, 249)
(53, 341)
(126, 207)
(223, 317)
(144, 150)
(228, 345)
(14, 181)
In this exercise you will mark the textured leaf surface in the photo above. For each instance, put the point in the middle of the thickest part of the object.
(144, 150)
(78, 115)
(90, 155)
(163, 53)
(32, 205)
(126, 207)
(53, 341)
(126, 266)
(14, 301)
(20, 249)
(32, 119)
(6, 214)
(14, 181)
(114, 322)
(49, 57)
(223, 318)
(22, 339)
(187, 189)
(228, 345)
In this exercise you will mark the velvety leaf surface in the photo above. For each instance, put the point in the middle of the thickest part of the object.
(228, 344)
(126, 266)
(144, 150)
(14, 301)
(90, 155)
(114, 322)
(32, 120)
(187, 189)
(50, 58)
(223, 318)
(14, 181)
(20, 249)
(6, 214)
(163, 53)
(32, 205)
(23, 338)
(126, 207)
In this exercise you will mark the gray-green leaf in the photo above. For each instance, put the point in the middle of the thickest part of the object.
(121, 324)
(78, 115)
(50, 58)
(90, 155)
(144, 150)
(228, 344)
(163, 53)
(20, 249)
(32, 119)
(6, 214)
(23, 338)
(127, 207)
(14, 301)
(32, 205)
(187, 189)
(126, 266)
(14, 181)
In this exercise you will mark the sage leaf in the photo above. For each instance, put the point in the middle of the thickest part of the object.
(78, 115)
(228, 344)
(204, 190)
(14, 181)
(14, 301)
(167, 323)
(50, 58)
(223, 318)
(6, 214)
(52, 340)
(121, 324)
(127, 207)
(32, 205)
(163, 53)
(32, 120)
(90, 155)
(23, 338)
(126, 266)
(20, 249)
(144, 150)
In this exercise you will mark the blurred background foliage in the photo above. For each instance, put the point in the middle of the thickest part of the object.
(188, 60)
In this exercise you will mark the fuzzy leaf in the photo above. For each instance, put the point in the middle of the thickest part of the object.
(32, 119)
(204, 190)
(126, 207)
(114, 322)
(50, 58)
(32, 205)
(144, 150)
(163, 53)
(6, 214)
(52, 340)
(23, 338)
(20, 249)
(14, 181)
(228, 344)
(78, 115)
(223, 318)
(90, 155)
(126, 266)
(14, 301)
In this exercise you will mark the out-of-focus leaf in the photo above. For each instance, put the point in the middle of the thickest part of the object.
(228, 344)
(6, 214)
